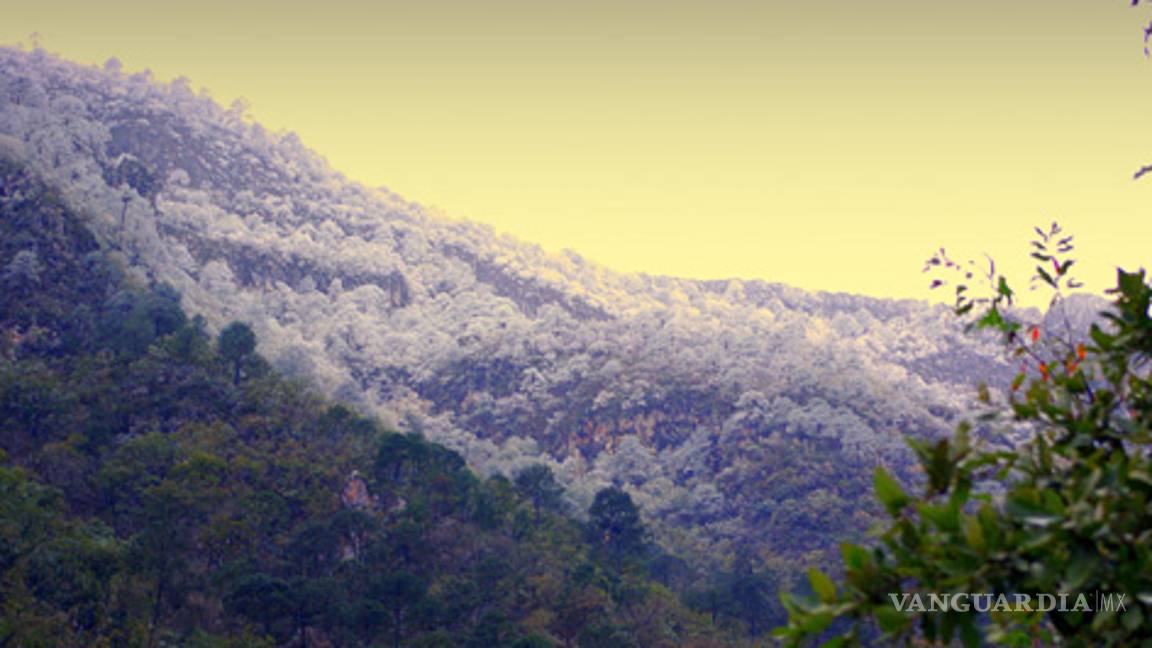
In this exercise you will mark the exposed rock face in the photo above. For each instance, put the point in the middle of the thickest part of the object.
(356, 496)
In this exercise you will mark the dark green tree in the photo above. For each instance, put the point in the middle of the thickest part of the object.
(713, 599)
(400, 593)
(538, 485)
(494, 502)
(264, 599)
(132, 320)
(237, 343)
(493, 629)
(400, 456)
(616, 528)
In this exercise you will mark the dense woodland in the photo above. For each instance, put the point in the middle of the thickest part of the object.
(742, 417)
(247, 402)
(165, 486)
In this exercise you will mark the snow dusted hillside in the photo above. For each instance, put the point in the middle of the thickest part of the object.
(738, 413)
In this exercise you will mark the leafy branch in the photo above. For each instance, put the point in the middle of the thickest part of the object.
(1074, 515)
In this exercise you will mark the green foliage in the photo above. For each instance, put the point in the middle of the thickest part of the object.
(158, 489)
(132, 320)
(237, 343)
(615, 526)
(58, 572)
(537, 484)
(1066, 511)
(745, 596)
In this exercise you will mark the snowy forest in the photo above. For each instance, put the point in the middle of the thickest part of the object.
(735, 412)
(247, 401)
(744, 419)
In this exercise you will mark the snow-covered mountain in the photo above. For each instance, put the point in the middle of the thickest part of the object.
(738, 413)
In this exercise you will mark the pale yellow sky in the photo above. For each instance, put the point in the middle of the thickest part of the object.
(825, 145)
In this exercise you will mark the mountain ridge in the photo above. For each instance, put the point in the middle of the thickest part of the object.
(681, 390)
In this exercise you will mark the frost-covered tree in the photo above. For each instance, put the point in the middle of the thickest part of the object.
(488, 340)
(23, 271)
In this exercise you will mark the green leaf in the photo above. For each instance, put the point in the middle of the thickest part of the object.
(1133, 618)
(1023, 505)
(822, 585)
(940, 466)
(889, 491)
(969, 634)
(1079, 570)
(1017, 381)
(817, 623)
(943, 516)
(992, 319)
(1101, 338)
(890, 619)
(1004, 290)
(855, 556)
(973, 533)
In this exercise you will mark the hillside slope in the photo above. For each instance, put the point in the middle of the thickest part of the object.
(742, 415)
(161, 488)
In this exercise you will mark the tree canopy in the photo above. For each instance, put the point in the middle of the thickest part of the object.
(1061, 509)
(149, 497)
